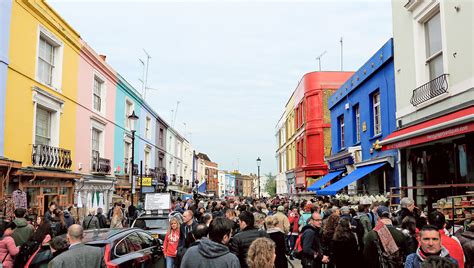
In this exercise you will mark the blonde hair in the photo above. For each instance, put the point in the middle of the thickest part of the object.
(92, 212)
(117, 212)
(261, 253)
(271, 222)
(172, 219)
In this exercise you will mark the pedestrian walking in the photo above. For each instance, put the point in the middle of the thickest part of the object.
(467, 242)
(283, 222)
(58, 245)
(430, 245)
(305, 216)
(8, 249)
(277, 235)
(69, 217)
(188, 226)
(42, 236)
(293, 218)
(327, 236)
(312, 253)
(344, 248)
(49, 214)
(23, 230)
(101, 218)
(78, 255)
(262, 254)
(408, 228)
(198, 233)
(90, 221)
(60, 227)
(213, 251)
(240, 243)
(170, 245)
(117, 218)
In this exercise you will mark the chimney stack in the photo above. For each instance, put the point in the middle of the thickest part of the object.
(103, 57)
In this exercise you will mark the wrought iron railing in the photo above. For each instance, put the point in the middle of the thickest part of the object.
(433, 88)
(50, 157)
(100, 165)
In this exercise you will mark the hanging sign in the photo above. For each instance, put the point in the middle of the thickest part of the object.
(146, 181)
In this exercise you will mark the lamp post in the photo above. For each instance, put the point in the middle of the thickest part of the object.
(258, 176)
(133, 117)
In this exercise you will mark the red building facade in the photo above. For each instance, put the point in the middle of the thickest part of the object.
(313, 124)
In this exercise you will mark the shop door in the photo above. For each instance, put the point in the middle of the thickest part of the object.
(63, 201)
(40, 202)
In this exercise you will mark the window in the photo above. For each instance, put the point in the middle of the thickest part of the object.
(128, 111)
(127, 152)
(434, 49)
(161, 137)
(46, 61)
(96, 140)
(341, 132)
(43, 126)
(98, 84)
(377, 116)
(148, 127)
(357, 123)
(148, 241)
(147, 158)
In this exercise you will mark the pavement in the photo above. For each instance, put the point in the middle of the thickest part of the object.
(295, 264)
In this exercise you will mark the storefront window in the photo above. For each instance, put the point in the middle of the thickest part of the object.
(50, 190)
(31, 196)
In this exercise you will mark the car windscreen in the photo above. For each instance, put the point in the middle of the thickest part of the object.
(152, 223)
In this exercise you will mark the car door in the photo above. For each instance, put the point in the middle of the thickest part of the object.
(128, 253)
(152, 249)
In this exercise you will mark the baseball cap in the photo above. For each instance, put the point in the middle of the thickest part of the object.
(383, 211)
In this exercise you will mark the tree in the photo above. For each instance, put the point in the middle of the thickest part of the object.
(270, 186)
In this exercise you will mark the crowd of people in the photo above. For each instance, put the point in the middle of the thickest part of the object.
(254, 234)
(320, 232)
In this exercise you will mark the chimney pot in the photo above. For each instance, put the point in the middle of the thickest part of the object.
(103, 57)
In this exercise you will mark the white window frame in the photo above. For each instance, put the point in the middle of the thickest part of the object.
(56, 74)
(48, 127)
(341, 122)
(377, 115)
(100, 128)
(357, 122)
(437, 54)
(53, 104)
(103, 93)
(129, 124)
(147, 152)
(148, 127)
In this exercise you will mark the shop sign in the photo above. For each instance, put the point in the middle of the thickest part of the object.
(433, 136)
(341, 163)
(50, 183)
(146, 181)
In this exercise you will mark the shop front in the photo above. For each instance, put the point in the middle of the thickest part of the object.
(436, 152)
(93, 192)
(41, 188)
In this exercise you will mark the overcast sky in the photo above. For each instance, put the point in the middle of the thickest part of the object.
(232, 65)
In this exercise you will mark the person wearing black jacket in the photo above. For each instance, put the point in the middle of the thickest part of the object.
(240, 243)
(189, 224)
(192, 240)
(312, 256)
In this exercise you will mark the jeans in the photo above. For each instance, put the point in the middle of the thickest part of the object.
(169, 262)
(292, 240)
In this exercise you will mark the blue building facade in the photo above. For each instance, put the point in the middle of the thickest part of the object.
(5, 15)
(229, 184)
(362, 114)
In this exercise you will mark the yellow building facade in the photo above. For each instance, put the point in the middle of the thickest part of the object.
(41, 95)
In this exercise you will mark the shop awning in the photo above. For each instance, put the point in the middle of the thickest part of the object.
(179, 191)
(355, 175)
(321, 182)
(446, 126)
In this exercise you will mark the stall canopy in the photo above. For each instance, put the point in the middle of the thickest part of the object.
(357, 174)
(321, 182)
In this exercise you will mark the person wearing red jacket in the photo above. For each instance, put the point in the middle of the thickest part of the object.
(293, 218)
(170, 245)
(437, 219)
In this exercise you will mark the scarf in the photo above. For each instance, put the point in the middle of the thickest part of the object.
(386, 238)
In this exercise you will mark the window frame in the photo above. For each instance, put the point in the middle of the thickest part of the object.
(436, 55)
(341, 134)
(376, 117)
(48, 127)
(129, 124)
(100, 94)
(148, 127)
(357, 126)
(57, 58)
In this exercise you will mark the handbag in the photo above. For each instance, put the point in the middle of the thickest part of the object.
(1, 264)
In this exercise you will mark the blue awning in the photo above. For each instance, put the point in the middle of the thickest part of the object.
(355, 175)
(321, 182)
(202, 188)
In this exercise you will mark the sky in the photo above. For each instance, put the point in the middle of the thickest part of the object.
(231, 65)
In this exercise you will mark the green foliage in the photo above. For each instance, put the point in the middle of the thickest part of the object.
(271, 186)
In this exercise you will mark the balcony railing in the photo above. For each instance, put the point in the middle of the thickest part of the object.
(50, 157)
(151, 172)
(100, 165)
(433, 88)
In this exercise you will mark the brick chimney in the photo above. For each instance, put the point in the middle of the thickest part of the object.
(103, 57)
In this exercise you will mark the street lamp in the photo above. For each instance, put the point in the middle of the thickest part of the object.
(133, 117)
(259, 161)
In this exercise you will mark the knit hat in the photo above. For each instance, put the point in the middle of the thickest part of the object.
(281, 208)
(383, 211)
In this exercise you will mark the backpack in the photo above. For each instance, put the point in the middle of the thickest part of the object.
(26, 251)
(386, 260)
(298, 251)
(359, 231)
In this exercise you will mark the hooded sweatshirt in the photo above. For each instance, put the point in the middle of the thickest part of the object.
(209, 254)
(415, 260)
(22, 232)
